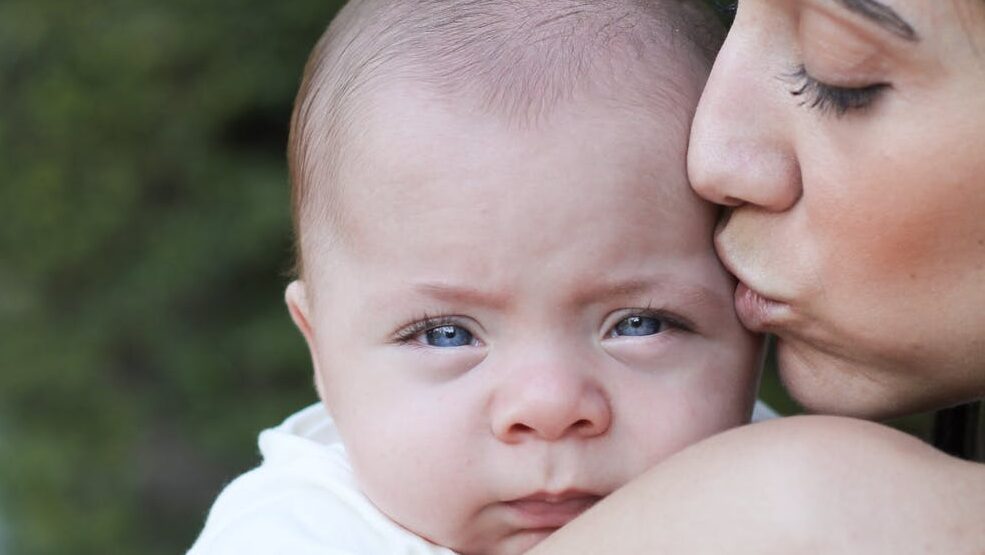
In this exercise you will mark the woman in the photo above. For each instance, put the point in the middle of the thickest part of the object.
(847, 139)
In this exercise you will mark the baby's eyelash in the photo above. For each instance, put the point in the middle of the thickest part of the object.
(829, 98)
(406, 333)
(673, 320)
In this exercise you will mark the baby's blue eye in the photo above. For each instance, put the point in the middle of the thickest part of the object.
(448, 336)
(638, 325)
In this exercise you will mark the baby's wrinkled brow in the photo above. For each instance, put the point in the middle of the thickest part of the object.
(462, 294)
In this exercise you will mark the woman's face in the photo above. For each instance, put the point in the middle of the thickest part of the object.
(848, 136)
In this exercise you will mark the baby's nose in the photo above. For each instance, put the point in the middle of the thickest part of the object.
(550, 402)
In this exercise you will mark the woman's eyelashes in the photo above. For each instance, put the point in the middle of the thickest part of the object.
(831, 98)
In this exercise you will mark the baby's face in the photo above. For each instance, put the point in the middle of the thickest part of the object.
(518, 322)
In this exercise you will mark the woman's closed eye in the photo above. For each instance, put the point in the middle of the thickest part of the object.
(831, 98)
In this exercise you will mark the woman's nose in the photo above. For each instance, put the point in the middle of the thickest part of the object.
(741, 150)
(550, 401)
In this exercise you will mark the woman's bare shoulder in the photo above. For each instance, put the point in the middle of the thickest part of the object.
(808, 483)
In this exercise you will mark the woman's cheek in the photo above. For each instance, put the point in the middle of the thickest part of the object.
(875, 208)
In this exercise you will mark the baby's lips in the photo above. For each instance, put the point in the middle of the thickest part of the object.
(546, 510)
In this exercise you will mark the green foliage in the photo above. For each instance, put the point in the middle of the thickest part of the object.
(143, 242)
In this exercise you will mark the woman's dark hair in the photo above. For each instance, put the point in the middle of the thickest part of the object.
(725, 9)
(960, 431)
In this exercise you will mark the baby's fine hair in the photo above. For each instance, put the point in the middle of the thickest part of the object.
(515, 58)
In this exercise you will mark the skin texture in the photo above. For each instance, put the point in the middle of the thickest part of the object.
(866, 227)
(866, 230)
(539, 242)
(807, 484)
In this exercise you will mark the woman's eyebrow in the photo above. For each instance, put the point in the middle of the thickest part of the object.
(883, 16)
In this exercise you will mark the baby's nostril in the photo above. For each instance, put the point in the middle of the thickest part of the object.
(520, 428)
(582, 424)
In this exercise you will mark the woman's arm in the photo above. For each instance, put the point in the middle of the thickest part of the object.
(800, 484)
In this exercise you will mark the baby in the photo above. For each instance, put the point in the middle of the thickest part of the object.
(508, 289)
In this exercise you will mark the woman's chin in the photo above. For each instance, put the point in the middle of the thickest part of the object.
(824, 383)
(877, 389)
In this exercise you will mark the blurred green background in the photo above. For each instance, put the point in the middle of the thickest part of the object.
(144, 247)
(144, 240)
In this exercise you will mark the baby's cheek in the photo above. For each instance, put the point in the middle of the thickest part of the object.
(719, 393)
(414, 464)
(710, 393)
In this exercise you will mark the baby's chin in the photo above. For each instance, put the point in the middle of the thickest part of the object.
(515, 543)
(487, 537)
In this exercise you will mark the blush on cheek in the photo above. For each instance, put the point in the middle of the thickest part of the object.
(872, 232)
(932, 251)
(899, 197)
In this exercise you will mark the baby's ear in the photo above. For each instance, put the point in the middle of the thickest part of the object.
(296, 297)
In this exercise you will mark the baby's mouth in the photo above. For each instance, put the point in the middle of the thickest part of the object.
(545, 510)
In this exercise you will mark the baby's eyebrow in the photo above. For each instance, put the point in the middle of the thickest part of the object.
(685, 293)
(607, 290)
(688, 293)
(462, 294)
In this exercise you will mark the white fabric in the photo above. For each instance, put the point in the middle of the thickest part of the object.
(762, 411)
(304, 500)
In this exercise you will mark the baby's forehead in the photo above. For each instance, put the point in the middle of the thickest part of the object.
(421, 162)
(519, 60)
(595, 195)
